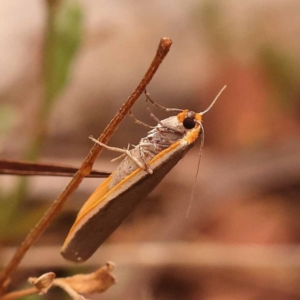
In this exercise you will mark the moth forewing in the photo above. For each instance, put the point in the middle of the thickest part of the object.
(107, 208)
(138, 174)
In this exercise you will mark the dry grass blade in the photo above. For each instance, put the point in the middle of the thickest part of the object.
(13, 167)
(85, 169)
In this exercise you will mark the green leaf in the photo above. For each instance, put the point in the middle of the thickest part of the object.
(62, 42)
(7, 118)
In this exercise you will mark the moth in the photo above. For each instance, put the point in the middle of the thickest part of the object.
(141, 170)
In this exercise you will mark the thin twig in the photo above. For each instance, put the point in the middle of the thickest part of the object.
(25, 168)
(20, 294)
(86, 167)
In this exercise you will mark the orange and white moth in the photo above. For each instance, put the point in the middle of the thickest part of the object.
(137, 175)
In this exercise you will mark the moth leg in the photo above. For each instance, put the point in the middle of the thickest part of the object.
(143, 158)
(168, 129)
(118, 157)
(160, 123)
(161, 106)
(121, 156)
(138, 121)
(125, 152)
(142, 144)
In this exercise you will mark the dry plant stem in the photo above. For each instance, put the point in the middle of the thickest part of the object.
(35, 291)
(20, 294)
(85, 169)
(69, 290)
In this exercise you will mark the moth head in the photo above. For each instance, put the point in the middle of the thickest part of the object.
(189, 119)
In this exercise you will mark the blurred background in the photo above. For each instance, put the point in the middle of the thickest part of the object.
(65, 69)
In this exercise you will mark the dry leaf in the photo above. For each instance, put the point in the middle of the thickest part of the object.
(44, 282)
(96, 282)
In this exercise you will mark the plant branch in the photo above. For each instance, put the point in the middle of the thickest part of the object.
(86, 167)
(20, 294)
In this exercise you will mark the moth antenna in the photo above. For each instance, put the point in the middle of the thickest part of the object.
(214, 101)
(197, 172)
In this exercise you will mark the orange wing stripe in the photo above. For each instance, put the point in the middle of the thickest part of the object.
(103, 191)
(98, 194)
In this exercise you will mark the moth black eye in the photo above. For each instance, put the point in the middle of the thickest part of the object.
(189, 123)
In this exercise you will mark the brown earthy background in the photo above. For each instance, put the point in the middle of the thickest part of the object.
(241, 238)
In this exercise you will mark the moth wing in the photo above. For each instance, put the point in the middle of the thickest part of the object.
(107, 209)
